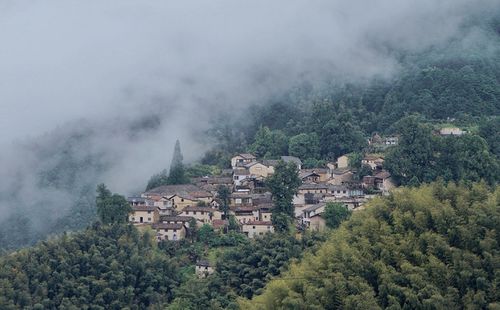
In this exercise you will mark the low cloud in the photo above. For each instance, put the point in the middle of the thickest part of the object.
(133, 76)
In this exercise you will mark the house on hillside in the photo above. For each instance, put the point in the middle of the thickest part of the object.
(204, 268)
(312, 219)
(239, 175)
(241, 199)
(258, 169)
(451, 131)
(309, 177)
(343, 162)
(181, 201)
(373, 160)
(139, 201)
(176, 219)
(245, 214)
(242, 159)
(341, 176)
(391, 140)
(293, 159)
(178, 196)
(169, 231)
(220, 225)
(211, 184)
(144, 214)
(203, 215)
(253, 229)
(381, 181)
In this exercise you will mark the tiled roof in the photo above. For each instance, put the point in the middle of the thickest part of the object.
(247, 156)
(293, 159)
(144, 208)
(170, 190)
(201, 209)
(169, 218)
(203, 263)
(167, 226)
(264, 223)
(314, 207)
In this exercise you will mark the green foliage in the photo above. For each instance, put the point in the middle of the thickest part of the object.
(432, 247)
(355, 159)
(283, 184)
(490, 131)
(104, 267)
(363, 171)
(111, 208)
(223, 193)
(201, 170)
(335, 213)
(304, 146)
(310, 163)
(242, 271)
(422, 157)
(177, 174)
(158, 180)
(269, 143)
(206, 233)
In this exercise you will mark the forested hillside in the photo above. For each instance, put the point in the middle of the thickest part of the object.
(116, 266)
(453, 82)
(432, 247)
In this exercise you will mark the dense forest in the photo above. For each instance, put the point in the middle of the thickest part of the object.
(116, 266)
(432, 247)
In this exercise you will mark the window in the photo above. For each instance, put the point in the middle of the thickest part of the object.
(202, 213)
(149, 219)
(149, 212)
(175, 230)
(344, 192)
(253, 227)
(182, 199)
(194, 212)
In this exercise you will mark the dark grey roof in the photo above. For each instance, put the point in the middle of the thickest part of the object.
(293, 159)
(203, 263)
(144, 208)
(167, 226)
(169, 218)
(314, 208)
(170, 190)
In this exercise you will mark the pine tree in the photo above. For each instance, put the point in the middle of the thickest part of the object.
(177, 172)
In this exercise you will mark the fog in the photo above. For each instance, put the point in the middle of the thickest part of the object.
(102, 67)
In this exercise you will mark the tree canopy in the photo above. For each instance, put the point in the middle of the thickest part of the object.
(433, 247)
(283, 184)
(111, 208)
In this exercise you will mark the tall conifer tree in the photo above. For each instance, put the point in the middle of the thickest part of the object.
(177, 174)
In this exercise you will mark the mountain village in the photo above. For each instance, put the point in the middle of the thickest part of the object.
(170, 209)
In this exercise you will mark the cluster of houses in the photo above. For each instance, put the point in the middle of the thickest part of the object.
(170, 210)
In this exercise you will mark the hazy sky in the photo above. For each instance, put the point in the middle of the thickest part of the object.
(98, 65)
(61, 60)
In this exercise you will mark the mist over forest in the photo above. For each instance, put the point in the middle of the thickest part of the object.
(96, 91)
